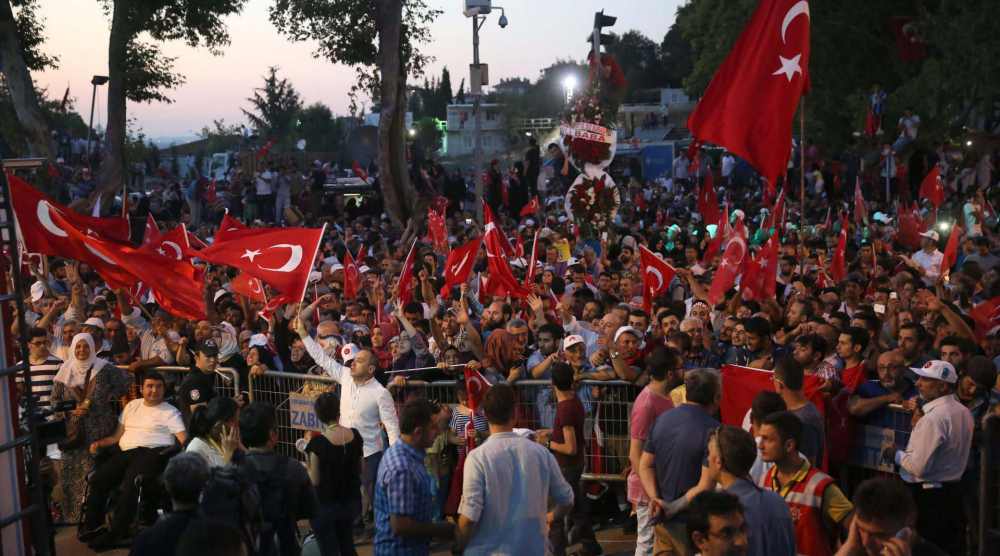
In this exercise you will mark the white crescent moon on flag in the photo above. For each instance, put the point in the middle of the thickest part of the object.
(257, 289)
(99, 254)
(655, 271)
(801, 8)
(294, 258)
(475, 384)
(461, 265)
(743, 251)
(45, 218)
(176, 248)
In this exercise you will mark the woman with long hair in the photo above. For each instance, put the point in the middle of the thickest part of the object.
(214, 429)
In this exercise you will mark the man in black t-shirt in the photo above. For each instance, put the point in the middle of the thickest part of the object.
(198, 387)
(532, 166)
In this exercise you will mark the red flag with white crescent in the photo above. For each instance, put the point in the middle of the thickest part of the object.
(359, 172)
(406, 276)
(734, 262)
(708, 204)
(761, 280)
(860, 206)
(249, 287)
(656, 277)
(533, 263)
(931, 187)
(718, 239)
(476, 385)
(987, 318)
(838, 269)
(266, 148)
(459, 265)
(152, 230)
(352, 277)
(531, 207)
(277, 301)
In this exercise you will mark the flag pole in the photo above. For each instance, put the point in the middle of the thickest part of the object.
(312, 262)
(802, 173)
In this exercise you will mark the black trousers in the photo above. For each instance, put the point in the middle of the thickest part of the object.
(578, 516)
(120, 469)
(941, 516)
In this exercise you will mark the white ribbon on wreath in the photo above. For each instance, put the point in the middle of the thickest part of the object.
(596, 176)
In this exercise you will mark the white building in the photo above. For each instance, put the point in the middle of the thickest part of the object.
(461, 135)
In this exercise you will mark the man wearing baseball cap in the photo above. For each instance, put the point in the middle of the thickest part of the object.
(927, 261)
(935, 457)
(198, 387)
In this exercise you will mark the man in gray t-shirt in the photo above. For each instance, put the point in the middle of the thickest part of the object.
(988, 261)
(788, 379)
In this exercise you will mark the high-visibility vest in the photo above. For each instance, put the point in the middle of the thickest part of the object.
(805, 500)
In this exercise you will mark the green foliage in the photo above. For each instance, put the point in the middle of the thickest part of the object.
(274, 107)
(322, 132)
(428, 136)
(346, 32)
(136, 147)
(639, 58)
(30, 35)
(149, 73)
(13, 131)
(221, 137)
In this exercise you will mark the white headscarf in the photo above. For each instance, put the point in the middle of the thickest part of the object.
(228, 344)
(73, 372)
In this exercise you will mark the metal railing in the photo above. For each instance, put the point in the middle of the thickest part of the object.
(227, 380)
(290, 394)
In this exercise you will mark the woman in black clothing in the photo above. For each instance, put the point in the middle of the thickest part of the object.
(336, 462)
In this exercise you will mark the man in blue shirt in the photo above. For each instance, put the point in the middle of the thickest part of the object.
(404, 506)
(674, 456)
(871, 400)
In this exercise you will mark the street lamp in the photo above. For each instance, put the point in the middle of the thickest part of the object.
(477, 10)
(97, 80)
(569, 84)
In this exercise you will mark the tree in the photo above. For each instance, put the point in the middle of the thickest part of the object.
(140, 72)
(428, 136)
(20, 41)
(274, 107)
(440, 97)
(460, 95)
(675, 57)
(322, 132)
(380, 41)
(640, 61)
(221, 137)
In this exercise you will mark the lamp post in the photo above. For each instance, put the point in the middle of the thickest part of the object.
(569, 84)
(477, 10)
(97, 80)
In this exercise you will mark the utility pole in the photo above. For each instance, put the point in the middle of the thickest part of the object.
(477, 101)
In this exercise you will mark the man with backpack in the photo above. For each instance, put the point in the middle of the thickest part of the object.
(286, 493)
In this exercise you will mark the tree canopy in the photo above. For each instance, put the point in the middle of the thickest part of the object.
(274, 106)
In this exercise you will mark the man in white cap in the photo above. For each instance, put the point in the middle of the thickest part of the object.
(927, 261)
(95, 327)
(936, 455)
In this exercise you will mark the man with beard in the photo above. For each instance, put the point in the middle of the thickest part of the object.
(495, 316)
(604, 285)
(871, 398)
(786, 270)
(810, 350)
(726, 335)
(626, 287)
(669, 322)
(760, 351)
(799, 313)
(630, 262)
(851, 289)
(540, 364)
(912, 345)
(831, 334)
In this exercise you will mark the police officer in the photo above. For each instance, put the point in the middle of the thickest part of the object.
(198, 387)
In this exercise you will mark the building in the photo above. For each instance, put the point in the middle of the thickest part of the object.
(460, 138)
(514, 86)
(673, 97)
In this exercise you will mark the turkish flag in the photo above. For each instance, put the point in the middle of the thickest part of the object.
(459, 265)
(909, 229)
(152, 230)
(761, 281)
(34, 212)
(172, 244)
(519, 247)
(502, 281)
(406, 276)
(987, 318)
(531, 207)
(228, 224)
(734, 262)
(740, 385)
(210, 193)
(476, 385)
(838, 267)
(749, 105)
(281, 257)
(708, 205)
(777, 218)
(860, 206)
(529, 278)
(249, 287)
(490, 223)
(277, 301)
(352, 277)
(931, 188)
(359, 172)
(656, 277)
(951, 250)
(439, 204)
(911, 46)
(438, 231)
(722, 233)
(195, 242)
(266, 148)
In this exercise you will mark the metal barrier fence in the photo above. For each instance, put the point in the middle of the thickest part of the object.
(227, 380)
(889, 426)
(292, 395)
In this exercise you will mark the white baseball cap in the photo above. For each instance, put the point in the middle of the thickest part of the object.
(37, 291)
(219, 294)
(930, 234)
(938, 370)
(94, 321)
(572, 340)
(60, 160)
(625, 329)
(335, 267)
(363, 269)
(349, 352)
(572, 261)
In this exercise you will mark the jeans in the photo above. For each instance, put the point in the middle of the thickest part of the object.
(283, 199)
(265, 203)
(332, 527)
(195, 207)
(578, 515)
(121, 469)
(368, 486)
(644, 540)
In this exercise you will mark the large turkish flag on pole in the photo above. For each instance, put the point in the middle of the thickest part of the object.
(750, 103)
(459, 265)
(281, 257)
(734, 262)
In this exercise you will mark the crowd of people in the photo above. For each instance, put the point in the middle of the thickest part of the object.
(578, 371)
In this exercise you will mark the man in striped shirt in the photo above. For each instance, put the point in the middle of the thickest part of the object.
(44, 367)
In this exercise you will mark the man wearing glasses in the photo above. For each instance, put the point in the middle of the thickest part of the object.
(715, 525)
(872, 398)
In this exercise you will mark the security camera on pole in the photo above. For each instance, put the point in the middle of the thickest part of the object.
(478, 78)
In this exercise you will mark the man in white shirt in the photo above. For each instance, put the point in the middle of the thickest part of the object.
(908, 125)
(936, 455)
(508, 484)
(927, 261)
(265, 184)
(681, 164)
(728, 163)
(364, 405)
(155, 340)
(145, 427)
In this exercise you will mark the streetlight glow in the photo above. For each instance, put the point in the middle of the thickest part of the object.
(570, 83)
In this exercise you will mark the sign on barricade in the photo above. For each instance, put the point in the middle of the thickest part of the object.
(303, 412)
(869, 442)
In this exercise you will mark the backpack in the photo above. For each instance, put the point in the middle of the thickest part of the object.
(274, 502)
(229, 494)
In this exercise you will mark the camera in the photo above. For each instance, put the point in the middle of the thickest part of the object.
(49, 431)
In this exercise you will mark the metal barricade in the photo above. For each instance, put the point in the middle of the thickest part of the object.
(441, 391)
(285, 390)
(867, 442)
(227, 380)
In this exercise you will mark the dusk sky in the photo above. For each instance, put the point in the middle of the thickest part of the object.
(538, 33)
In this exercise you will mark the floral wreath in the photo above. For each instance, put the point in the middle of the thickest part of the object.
(586, 107)
(592, 203)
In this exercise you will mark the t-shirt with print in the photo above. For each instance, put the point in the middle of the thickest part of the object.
(648, 406)
(569, 413)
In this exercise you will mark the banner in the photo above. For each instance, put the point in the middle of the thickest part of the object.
(590, 132)
(303, 412)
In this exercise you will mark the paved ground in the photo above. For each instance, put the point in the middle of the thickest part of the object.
(612, 541)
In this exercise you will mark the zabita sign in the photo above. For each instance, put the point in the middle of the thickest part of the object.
(303, 413)
(590, 132)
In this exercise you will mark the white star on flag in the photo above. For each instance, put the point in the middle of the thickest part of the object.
(250, 254)
(762, 263)
(789, 66)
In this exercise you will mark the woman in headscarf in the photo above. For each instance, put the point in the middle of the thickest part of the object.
(260, 356)
(503, 360)
(381, 335)
(96, 385)
(409, 350)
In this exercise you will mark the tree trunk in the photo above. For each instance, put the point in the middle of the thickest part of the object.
(22, 89)
(113, 169)
(399, 194)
